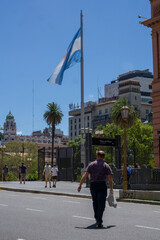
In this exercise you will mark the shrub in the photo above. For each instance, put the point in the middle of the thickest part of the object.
(11, 177)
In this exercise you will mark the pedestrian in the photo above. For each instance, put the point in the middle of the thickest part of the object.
(5, 171)
(54, 171)
(98, 171)
(47, 173)
(129, 173)
(23, 171)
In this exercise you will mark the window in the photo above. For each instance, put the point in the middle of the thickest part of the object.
(106, 110)
(88, 124)
(75, 120)
(100, 111)
(75, 127)
(150, 87)
(71, 121)
(147, 111)
(75, 134)
(79, 120)
(88, 118)
(71, 127)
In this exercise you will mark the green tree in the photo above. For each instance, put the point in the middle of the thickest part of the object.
(53, 117)
(140, 142)
(14, 156)
(118, 120)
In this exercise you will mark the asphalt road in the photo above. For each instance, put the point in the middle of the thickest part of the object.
(27, 216)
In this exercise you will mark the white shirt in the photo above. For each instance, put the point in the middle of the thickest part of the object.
(54, 171)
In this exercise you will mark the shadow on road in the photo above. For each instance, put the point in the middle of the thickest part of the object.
(94, 226)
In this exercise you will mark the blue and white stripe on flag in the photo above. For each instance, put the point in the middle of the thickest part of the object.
(72, 56)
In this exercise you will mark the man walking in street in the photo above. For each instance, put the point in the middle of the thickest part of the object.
(98, 171)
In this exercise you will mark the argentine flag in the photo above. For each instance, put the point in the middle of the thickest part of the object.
(72, 56)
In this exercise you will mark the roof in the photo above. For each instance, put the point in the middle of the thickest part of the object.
(10, 116)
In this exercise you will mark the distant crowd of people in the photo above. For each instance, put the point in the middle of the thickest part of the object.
(50, 173)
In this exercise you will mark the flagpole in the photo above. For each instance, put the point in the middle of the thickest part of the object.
(82, 101)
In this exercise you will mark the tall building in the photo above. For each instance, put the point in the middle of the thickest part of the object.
(134, 85)
(10, 129)
(154, 24)
(144, 78)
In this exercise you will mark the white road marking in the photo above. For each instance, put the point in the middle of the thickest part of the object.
(35, 210)
(71, 202)
(157, 211)
(3, 205)
(20, 239)
(152, 228)
(74, 198)
(39, 198)
(84, 217)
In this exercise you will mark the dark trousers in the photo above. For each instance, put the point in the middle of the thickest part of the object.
(99, 194)
(128, 182)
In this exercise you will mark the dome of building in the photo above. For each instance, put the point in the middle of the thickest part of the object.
(10, 116)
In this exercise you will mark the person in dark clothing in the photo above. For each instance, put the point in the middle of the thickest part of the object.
(5, 171)
(129, 173)
(23, 171)
(98, 171)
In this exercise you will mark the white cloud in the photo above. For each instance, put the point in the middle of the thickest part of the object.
(19, 133)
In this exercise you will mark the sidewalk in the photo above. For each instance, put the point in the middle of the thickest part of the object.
(63, 188)
(70, 189)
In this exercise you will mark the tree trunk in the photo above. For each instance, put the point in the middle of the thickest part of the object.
(53, 133)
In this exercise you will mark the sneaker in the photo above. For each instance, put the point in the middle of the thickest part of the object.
(45, 186)
(50, 186)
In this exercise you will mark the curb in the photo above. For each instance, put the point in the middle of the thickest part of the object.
(49, 193)
(79, 196)
(138, 201)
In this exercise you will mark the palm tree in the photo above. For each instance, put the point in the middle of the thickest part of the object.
(116, 113)
(118, 120)
(53, 116)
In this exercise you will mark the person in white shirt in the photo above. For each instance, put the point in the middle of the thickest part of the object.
(54, 174)
(47, 172)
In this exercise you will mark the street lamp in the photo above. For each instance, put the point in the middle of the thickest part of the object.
(125, 114)
(29, 161)
(2, 148)
(99, 133)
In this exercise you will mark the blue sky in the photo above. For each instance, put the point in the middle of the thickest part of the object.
(34, 36)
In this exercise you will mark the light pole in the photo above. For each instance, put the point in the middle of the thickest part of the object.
(29, 162)
(2, 147)
(86, 135)
(125, 114)
(99, 133)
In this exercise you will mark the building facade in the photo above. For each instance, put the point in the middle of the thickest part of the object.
(45, 137)
(10, 128)
(135, 86)
(154, 24)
